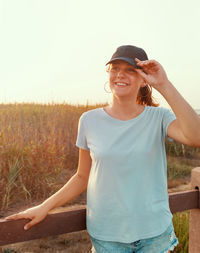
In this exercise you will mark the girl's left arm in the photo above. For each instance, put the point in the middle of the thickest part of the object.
(186, 127)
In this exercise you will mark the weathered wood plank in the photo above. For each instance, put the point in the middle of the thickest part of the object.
(53, 224)
(182, 201)
(71, 221)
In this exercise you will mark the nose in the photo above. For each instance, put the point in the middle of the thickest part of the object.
(120, 74)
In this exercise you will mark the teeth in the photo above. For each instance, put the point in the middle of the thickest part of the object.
(122, 84)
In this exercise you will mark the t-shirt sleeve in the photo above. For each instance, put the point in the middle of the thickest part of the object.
(81, 140)
(168, 117)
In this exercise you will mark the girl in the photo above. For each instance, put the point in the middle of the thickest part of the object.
(122, 159)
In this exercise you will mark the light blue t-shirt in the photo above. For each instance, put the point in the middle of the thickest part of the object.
(127, 198)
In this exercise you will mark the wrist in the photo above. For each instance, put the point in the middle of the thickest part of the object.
(46, 205)
(164, 87)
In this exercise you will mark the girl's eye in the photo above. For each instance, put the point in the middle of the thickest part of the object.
(114, 68)
(131, 70)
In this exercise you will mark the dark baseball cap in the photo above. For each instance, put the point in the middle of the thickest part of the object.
(128, 54)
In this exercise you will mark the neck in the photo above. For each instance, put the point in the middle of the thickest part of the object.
(125, 108)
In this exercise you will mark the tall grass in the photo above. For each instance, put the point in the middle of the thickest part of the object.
(181, 227)
(177, 149)
(13, 174)
(37, 142)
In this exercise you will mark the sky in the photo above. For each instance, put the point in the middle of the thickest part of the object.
(56, 50)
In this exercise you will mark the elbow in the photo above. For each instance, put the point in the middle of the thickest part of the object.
(192, 140)
(195, 143)
(198, 144)
(83, 180)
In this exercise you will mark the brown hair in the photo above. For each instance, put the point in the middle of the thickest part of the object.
(145, 97)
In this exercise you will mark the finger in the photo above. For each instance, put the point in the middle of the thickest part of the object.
(30, 224)
(139, 62)
(141, 73)
(146, 62)
(14, 217)
(17, 216)
(149, 68)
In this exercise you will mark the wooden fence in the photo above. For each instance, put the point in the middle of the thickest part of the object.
(75, 220)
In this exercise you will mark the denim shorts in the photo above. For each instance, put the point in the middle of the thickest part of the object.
(158, 244)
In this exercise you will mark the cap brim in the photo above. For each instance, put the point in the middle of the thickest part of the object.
(128, 60)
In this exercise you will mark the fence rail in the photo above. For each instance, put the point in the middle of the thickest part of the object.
(75, 220)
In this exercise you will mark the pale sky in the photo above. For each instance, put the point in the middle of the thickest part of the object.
(56, 50)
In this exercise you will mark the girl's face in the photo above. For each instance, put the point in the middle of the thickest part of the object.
(124, 80)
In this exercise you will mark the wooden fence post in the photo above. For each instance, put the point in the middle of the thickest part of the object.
(194, 226)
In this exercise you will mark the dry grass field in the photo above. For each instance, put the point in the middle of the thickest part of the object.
(38, 155)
